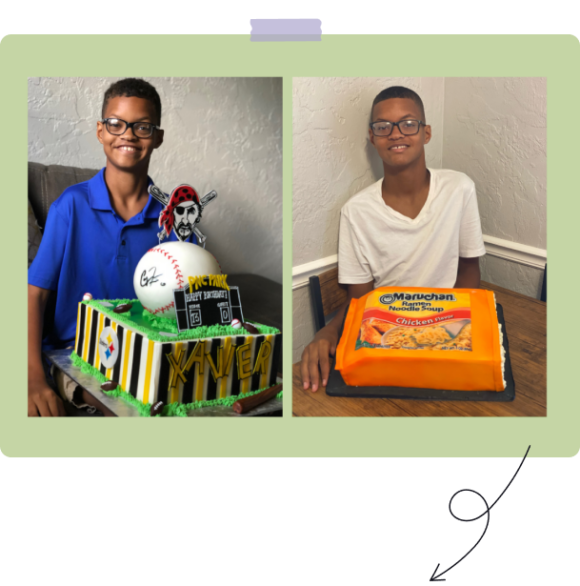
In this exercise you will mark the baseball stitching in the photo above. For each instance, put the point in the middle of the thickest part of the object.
(160, 309)
(174, 263)
(217, 262)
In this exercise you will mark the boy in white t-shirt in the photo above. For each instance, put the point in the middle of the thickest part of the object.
(416, 227)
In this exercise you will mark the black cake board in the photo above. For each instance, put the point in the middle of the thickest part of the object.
(338, 388)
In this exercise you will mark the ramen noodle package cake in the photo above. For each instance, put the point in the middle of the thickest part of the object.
(447, 339)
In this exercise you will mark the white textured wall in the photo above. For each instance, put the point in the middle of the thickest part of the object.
(332, 155)
(495, 131)
(220, 133)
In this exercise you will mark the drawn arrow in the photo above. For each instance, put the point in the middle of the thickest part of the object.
(437, 577)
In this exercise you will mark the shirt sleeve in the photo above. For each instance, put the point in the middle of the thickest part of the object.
(470, 236)
(44, 272)
(353, 267)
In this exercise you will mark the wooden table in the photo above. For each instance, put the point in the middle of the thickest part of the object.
(525, 320)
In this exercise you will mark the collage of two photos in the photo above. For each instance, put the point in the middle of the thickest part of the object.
(418, 242)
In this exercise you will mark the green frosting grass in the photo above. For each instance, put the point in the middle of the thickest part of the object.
(180, 409)
(171, 410)
(153, 326)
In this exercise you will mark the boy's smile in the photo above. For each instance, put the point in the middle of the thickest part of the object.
(399, 149)
(127, 151)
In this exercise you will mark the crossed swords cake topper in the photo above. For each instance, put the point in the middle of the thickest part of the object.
(181, 212)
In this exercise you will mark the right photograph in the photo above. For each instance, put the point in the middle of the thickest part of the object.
(419, 247)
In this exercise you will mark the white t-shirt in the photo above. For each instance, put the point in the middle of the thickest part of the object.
(377, 243)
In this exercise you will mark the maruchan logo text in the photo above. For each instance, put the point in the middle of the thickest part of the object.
(389, 298)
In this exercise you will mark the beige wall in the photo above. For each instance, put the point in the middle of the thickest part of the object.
(220, 133)
(495, 131)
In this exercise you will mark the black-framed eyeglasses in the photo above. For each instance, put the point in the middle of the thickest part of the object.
(406, 127)
(118, 127)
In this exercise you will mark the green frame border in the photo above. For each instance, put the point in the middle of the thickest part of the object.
(553, 57)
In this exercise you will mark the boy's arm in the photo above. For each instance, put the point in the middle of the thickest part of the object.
(468, 276)
(318, 352)
(42, 400)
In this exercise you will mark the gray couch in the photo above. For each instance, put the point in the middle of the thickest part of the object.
(45, 184)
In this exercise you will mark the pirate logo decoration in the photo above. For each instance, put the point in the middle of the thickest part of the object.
(182, 212)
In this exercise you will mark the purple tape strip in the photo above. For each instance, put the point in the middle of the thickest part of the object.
(286, 29)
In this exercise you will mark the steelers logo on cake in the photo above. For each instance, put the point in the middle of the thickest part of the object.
(108, 347)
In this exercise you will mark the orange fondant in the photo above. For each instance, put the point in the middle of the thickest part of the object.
(447, 340)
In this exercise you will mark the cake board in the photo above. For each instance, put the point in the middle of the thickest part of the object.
(61, 359)
(338, 388)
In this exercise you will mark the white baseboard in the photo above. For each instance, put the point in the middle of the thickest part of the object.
(520, 253)
(302, 273)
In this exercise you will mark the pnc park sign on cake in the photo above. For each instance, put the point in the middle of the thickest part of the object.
(206, 301)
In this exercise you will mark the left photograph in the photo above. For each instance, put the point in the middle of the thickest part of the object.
(154, 247)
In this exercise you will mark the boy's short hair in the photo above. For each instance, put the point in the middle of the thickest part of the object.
(398, 91)
(132, 87)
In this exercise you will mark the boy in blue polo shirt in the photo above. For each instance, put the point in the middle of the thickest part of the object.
(96, 231)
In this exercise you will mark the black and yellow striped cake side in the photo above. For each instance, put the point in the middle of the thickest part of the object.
(276, 360)
(228, 360)
(116, 374)
(90, 324)
(80, 336)
(101, 325)
(96, 318)
(207, 369)
(258, 351)
(178, 371)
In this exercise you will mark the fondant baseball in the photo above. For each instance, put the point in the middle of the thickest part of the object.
(87, 297)
(236, 324)
(166, 267)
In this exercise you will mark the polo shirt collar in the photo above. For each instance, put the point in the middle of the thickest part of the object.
(99, 197)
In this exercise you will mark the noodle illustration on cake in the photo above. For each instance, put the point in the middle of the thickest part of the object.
(451, 336)
(461, 342)
(415, 337)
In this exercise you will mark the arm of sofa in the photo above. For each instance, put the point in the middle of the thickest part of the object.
(34, 235)
(47, 182)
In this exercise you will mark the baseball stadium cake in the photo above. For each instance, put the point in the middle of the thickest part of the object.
(447, 339)
(183, 343)
(135, 350)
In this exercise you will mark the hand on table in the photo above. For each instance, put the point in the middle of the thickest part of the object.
(317, 354)
(43, 401)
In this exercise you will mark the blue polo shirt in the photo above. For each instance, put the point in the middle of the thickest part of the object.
(87, 247)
